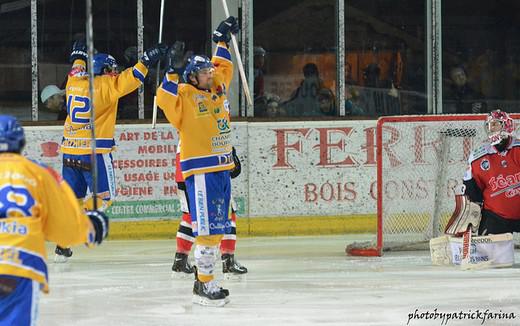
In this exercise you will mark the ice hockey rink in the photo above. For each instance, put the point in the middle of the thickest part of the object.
(291, 281)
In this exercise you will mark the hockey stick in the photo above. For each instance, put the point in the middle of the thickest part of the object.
(245, 85)
(90, 68)
(511, 187)
(154, 116)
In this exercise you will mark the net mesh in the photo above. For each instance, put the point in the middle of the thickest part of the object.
(422, 160)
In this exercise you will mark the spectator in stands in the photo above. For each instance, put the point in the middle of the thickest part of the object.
(259, 61)
(460, 96)
(305, 100)
(54, 100)
(352, 106)
(326, 101)
(349, 79)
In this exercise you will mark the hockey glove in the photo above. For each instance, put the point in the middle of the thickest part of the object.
(224, 30)
(175, 57)
(100, 222)
(79, 51)
(466, 214)
(152, 55)
(238, 167)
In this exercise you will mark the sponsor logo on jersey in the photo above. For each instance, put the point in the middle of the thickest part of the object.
(201, 216)
(221, 143)
(12, 228)
(223, 126)
(226, 106)
(484, 165)
(221, 90)
(219, 204)
(202, 108)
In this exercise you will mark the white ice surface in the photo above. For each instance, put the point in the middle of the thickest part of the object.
(292, 281)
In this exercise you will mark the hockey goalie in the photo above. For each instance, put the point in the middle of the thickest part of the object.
(487, 209)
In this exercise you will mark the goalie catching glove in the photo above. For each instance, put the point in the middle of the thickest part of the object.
(466, 214)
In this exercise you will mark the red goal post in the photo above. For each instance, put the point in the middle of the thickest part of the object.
(424, 157)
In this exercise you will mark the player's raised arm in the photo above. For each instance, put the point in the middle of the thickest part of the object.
(222, 57)
(114, 87)
(168, 91)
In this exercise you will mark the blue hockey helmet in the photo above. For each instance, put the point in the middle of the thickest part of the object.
(195, 64)
(102, 61)
(12, 137)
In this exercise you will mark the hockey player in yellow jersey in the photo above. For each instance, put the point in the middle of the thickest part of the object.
(35, 205)
(199, 109)
(109, 87)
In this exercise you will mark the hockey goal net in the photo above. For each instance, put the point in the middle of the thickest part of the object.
(420, 159)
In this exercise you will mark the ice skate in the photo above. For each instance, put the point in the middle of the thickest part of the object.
(62, 255)
(209, 294)
(181, 268)
(231, 268)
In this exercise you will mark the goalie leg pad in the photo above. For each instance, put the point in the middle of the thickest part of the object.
(497, 249)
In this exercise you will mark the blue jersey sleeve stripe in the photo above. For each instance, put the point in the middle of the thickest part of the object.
(170, 87)
(223, 53)
(28, 261)
(138, 74)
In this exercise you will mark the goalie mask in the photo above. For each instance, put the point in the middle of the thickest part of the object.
(499, 126)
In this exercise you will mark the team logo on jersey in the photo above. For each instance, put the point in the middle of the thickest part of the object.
(216, 111)
(484, 165)
(504, 163)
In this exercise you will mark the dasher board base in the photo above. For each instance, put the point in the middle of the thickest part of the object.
(252, 227)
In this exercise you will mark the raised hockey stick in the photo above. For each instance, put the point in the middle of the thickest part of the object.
(245, 85)
(90, 68)
(154, 116)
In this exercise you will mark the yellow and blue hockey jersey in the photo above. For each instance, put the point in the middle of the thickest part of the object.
(108, 89)
(201, 117)
(36, 205)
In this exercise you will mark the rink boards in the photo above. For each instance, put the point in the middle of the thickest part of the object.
(315, 177)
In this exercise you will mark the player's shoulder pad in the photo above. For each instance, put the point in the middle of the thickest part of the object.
(480, 151)
(49, 170)
(186, 88)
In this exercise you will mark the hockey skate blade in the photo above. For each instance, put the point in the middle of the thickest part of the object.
(209, 303)
(181, 276)
(60, 259)
(234, 277)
